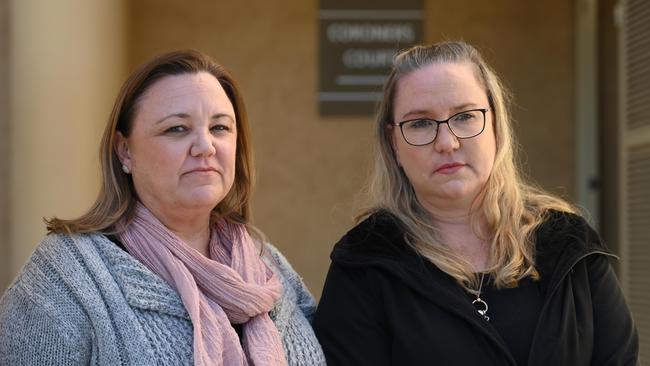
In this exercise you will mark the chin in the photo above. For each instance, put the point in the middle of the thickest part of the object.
(204, 198)
(462, 193)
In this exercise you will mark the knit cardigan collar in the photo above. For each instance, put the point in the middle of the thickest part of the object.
(145, 290)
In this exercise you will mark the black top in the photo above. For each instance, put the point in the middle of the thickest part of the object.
(383, 304)
(513, 312)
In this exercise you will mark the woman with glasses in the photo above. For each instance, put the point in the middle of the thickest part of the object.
(458, 260)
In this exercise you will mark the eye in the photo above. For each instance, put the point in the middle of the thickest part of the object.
(420, 123)
(219, 128)
(465, 116)
(176, 129)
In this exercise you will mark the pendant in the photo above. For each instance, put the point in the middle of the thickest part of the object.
(481, 307)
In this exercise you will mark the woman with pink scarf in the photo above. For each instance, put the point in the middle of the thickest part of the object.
(165, 267)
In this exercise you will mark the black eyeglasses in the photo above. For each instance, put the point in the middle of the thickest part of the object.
(423, 131)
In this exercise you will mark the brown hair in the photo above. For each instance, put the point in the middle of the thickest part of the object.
(512, 207)
(117, 197)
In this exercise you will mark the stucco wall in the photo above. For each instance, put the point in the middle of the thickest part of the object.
(66, 60)
(5, 270)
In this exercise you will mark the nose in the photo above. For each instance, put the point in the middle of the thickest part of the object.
(445, 140)
(203, 144)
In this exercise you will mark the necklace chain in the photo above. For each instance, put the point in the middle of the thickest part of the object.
(480, 305)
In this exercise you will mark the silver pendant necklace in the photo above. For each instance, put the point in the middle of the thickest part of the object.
(480, 305)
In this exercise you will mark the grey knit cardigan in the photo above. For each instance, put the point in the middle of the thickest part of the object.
(82, 300)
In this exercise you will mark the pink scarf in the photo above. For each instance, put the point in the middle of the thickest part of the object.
(232, 286)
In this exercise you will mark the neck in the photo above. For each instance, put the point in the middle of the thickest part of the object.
(454, 210)
(192, 227)
(456, 232)
(199, 240)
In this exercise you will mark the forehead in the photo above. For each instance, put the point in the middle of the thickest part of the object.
(178, 90)
(439, 87)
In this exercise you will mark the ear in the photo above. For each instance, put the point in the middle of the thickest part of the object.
(122, 149)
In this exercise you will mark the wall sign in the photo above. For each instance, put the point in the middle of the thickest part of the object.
(358, 40)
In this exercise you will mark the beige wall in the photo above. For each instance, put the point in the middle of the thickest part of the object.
(310, 168)
(66, 61)
(5, 270)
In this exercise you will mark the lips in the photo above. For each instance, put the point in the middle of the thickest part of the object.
(201, 170)
(449, 167)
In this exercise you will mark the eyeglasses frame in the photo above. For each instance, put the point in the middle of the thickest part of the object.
(438, 123)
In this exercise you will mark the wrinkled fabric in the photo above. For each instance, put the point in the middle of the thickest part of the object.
(233, 286)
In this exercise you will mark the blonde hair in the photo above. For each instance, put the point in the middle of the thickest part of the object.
(512, 208)
(117, 197)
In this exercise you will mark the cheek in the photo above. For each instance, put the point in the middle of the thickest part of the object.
(161, 157)
(405, 154)
(488, 166)
(158, 164)
(227, 153)
(416, 161)
(487, 153)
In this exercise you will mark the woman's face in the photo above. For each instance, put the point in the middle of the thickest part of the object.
(449, 172)
(182, 147)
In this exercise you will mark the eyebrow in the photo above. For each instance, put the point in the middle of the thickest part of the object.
(185, 116)
(458, 108)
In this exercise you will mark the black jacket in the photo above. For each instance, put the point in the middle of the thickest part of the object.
(384, 305)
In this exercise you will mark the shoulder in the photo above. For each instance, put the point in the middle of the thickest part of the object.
(381, 225)
(378, 237)
(564, 228)
(295, 289)
(562, 240)
(72, 247)
(293, 312)
(64, 265)
(47, 289)
(55, 256)
(274, 258)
